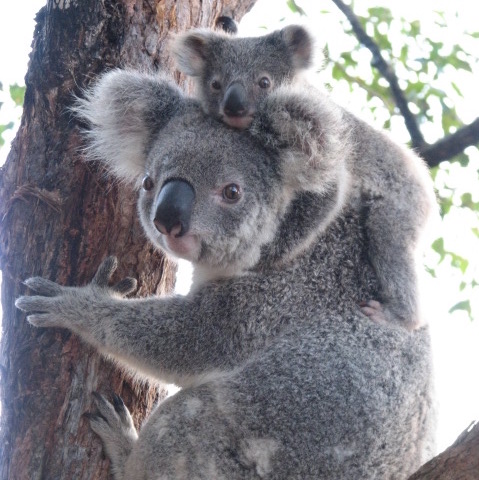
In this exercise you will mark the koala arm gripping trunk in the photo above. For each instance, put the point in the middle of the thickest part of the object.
(175, 339)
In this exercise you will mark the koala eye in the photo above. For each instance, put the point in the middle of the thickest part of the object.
(147, 183)
(231, 193)
(215, 85)
(264, 82)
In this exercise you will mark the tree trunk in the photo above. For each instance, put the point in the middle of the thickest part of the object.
(61, 217)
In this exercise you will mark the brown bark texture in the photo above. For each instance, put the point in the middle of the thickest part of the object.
(458, 462)
(60, 216)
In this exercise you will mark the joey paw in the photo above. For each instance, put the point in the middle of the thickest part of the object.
(373, 310)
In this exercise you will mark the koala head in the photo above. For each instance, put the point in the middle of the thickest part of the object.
(209, 194)
(234, 74)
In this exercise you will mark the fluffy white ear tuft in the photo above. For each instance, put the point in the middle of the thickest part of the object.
(123, 109)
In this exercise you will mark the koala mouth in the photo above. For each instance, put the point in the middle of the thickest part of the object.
(186, 247)
(240, 123)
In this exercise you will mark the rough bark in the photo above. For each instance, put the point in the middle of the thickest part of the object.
(60, 216)
(459, 462)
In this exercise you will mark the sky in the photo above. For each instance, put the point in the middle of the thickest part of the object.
(456, 338)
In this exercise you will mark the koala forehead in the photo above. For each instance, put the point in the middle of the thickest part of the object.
(249, 57)
(204, 151)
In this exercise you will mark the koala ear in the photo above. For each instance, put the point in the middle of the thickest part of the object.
(124, 109)
(227, 25)
(309, 133)
(190, 51)
(300, 45)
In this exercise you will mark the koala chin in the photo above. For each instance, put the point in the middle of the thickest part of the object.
(282, 375)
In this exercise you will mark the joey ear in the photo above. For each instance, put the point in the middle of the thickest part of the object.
(124, 109)
(300, 45)
(226, 24)
(190, 51)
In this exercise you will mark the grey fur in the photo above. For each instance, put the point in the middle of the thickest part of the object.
(391, 182)
(283, 377)
(210, 56)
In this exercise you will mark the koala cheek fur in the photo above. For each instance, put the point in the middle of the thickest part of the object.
(283, 377)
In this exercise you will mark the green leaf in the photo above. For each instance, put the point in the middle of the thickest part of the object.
(456, 88)
(18, 94)
(415, 28)
(466, 201)
(380, 13)
(8, 126)
(295, 8)
(464, 306)
(438, 246)
(431, 271)
(459, 262)
(462, 158)
(445, 205)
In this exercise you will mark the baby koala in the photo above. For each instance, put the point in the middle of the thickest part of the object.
(234, 75)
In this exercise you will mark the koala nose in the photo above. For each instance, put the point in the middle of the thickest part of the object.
(173, 208)
(236, 101)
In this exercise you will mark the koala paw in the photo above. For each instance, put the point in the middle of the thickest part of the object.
(112, 422)
(374, 310)
(384, 314)
(58, 306)
(38, 307)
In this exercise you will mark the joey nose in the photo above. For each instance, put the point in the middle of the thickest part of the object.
(236, 101)
(173, 208)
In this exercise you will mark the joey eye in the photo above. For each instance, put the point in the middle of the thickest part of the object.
(147, 183)
(231, 193)
(264, 82)
(215, 85)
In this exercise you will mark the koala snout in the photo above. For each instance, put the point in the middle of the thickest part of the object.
(173, 208)
(236, 101)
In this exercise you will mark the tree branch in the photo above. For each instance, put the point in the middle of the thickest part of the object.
(460, 460)
(451, 145)
(435, 153)
(386, 70)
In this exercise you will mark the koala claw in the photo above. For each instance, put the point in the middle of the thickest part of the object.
(39, 308)
(103, 276)
(105, 271)
(125, 286)
(373, 310)
(41, 320)
(43, 286)
(115, 415)
(112, 422)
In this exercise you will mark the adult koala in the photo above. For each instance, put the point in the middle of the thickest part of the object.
(283, 377)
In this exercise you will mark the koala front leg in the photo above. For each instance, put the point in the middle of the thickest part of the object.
(174, 339)
(75, 308)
